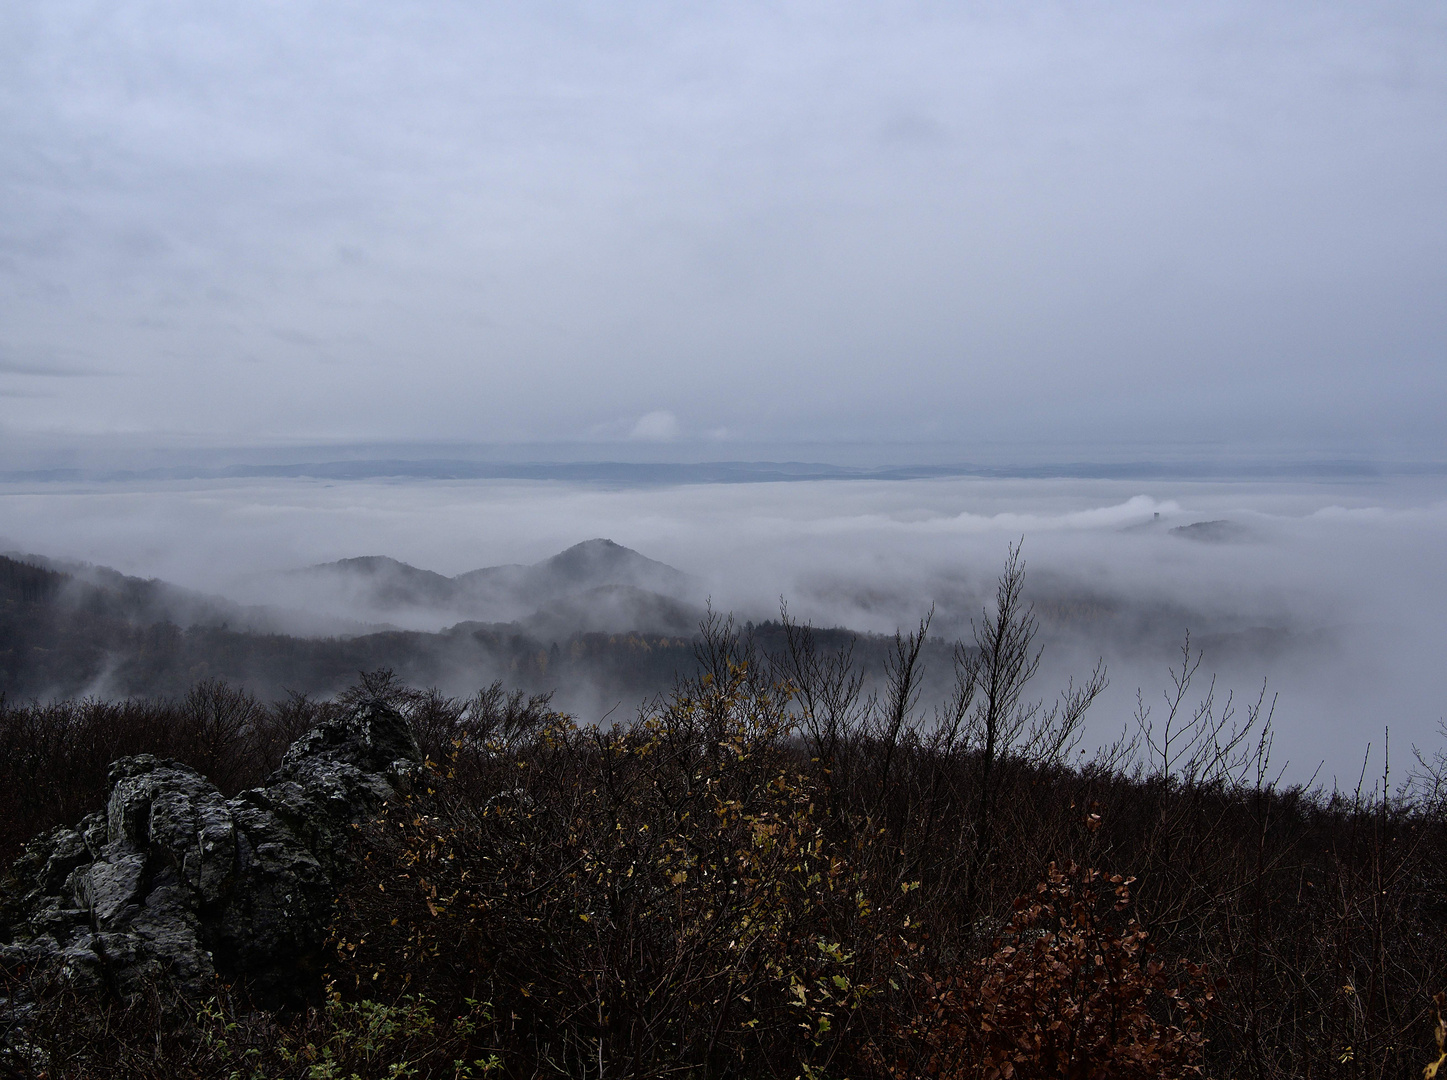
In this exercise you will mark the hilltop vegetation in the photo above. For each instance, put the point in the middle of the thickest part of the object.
(766, 873)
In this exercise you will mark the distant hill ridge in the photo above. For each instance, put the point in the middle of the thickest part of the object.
(385, 584)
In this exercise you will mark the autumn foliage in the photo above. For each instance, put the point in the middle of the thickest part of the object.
(1072, 990)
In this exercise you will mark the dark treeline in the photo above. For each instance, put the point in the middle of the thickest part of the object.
(773, 871)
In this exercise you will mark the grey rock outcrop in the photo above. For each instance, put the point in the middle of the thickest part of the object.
(173, 882)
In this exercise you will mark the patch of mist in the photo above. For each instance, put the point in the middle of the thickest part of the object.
(1334, 599)
(102, 685)
(145, 601)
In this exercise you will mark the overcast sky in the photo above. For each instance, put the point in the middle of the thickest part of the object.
(1163, 224)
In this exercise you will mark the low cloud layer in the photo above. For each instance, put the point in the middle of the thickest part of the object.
(1333, 592)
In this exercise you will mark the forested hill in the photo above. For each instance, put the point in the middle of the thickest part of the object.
(22, 582)
(61, 636)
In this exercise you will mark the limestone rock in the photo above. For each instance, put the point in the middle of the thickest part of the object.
(174, 882)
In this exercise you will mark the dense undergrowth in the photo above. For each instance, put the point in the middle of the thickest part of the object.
(770, 873)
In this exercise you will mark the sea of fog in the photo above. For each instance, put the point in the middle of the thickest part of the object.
(1332, 593)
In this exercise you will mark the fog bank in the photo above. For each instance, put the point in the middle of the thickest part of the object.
(1330, 591)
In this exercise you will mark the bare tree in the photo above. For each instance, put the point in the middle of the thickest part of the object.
(903, 671)
(1000, 723)
(826, 691)
(1210, 746)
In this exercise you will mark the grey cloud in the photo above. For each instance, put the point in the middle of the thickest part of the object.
(805, 223)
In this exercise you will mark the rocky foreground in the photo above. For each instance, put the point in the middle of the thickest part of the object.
(173, 884)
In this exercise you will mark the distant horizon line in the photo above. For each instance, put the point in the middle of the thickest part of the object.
(735, 472)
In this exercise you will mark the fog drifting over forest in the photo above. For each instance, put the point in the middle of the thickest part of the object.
(1332, 591)
(873, 234)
